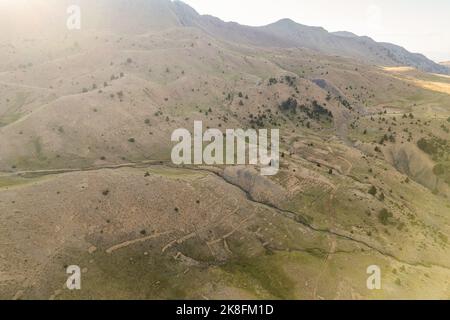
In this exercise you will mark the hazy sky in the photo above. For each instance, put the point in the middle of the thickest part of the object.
(418, 25)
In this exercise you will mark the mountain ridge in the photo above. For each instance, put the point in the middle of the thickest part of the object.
(288, 33)
(142, 16)
(86, 177)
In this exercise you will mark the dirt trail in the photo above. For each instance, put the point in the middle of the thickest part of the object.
(332, 249)
(24, 86)
(333, 244)
(131, 242)
(286, 213)
(47, 172)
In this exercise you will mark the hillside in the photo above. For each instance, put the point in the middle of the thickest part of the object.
(139, 16)
(289, 34)
(86, 177)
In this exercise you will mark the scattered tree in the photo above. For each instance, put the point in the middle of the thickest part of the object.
(373, 190)
(384, 215)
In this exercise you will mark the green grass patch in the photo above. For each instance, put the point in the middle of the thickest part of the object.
(12, 114)
(260, 274)
(9, 118)
(7, 182)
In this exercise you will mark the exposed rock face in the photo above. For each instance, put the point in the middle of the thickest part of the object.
(258, 187)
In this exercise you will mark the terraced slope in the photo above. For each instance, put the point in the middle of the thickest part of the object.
(86, 177)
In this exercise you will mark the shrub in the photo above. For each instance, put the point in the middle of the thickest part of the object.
(289, 105)
(426, 146)
(273, 81)
(320, 110)
(290, 80)
(373, 190)
(384, 216)
(433, 146)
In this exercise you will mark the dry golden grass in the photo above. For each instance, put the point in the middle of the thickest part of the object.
(442, 87)
(433, 82)
(399, 69)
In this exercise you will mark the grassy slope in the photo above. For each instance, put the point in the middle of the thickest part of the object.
(274, 254)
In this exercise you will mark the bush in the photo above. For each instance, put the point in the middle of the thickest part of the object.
(289, 105)
(384, 215)
(426, 146)
(290, 80)
(434, 146)
(373, 191)
(319, 110)
(273, 81)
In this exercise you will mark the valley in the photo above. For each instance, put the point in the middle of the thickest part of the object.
(86, 176)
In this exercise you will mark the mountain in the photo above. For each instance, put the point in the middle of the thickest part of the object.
(289, 34)
(345, 34)
(142, 16)
(86, 176)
